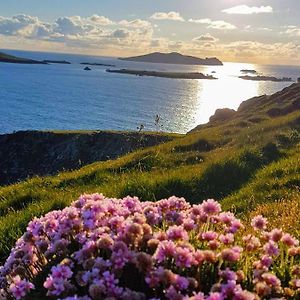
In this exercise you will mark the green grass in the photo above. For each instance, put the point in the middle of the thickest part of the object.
(245, 164)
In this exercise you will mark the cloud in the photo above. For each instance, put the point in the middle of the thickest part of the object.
(249, 28)
(71, 26)
(292, 31)
(100, 20)
(10, 26)
(247, 51)
(137, 23)
(75, 32)
(172, 15)
(205, 38)
(120, 33)
(93, 35)
(219, 24)
(247, 10)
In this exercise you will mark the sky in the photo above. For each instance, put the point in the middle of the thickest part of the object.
(253, 31)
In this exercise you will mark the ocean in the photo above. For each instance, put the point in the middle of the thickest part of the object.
(65, 97)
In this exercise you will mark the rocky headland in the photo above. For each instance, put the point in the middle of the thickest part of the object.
(6, 58)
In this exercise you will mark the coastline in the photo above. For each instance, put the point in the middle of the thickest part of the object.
(171, 75)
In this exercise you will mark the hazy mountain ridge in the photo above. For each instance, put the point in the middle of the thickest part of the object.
(174, 58)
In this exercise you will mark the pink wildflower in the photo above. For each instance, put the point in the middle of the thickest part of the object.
(289, 240)
(177, 233)
(19, 288)
(271, 248)
(259, 223)
(211, 207)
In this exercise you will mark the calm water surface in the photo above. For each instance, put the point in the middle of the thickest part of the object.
(67, 97)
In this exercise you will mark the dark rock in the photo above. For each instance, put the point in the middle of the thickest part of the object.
(222, 114)
(87, 69)
(275, 112)
(97, 64)
(249, 71)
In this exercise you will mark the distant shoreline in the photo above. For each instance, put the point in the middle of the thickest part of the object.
(266, 78)
(172, 75)
(97, 64)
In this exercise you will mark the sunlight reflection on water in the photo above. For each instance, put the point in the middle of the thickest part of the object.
(66, 97)
(228, 92)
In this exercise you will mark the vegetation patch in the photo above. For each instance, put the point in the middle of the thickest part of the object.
(127, 249)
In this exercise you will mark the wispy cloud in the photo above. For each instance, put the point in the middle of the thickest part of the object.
(219, 24)
(172, 15)
(292, 31)
(205, 38)
(248, 10)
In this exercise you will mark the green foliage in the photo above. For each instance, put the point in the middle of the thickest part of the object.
(243, 166)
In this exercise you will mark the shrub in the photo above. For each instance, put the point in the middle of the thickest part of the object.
(100, 248)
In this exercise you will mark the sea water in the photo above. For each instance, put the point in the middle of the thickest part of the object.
(65, 97)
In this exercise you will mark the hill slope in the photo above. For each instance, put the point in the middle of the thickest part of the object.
(18, 60)
(248, 159)
(174, 58)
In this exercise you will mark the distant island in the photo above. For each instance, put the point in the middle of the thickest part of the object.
(97, 64)
(174, 58)
(172, 75)
(249, 71)
(266, 78)
(6, 58)
(57, 62)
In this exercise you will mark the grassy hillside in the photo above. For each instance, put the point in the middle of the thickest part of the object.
(248, 159)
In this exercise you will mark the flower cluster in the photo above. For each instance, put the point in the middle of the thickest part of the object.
(102, 248)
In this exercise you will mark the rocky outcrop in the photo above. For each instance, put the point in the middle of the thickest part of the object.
(222, 114)
(29, 153)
